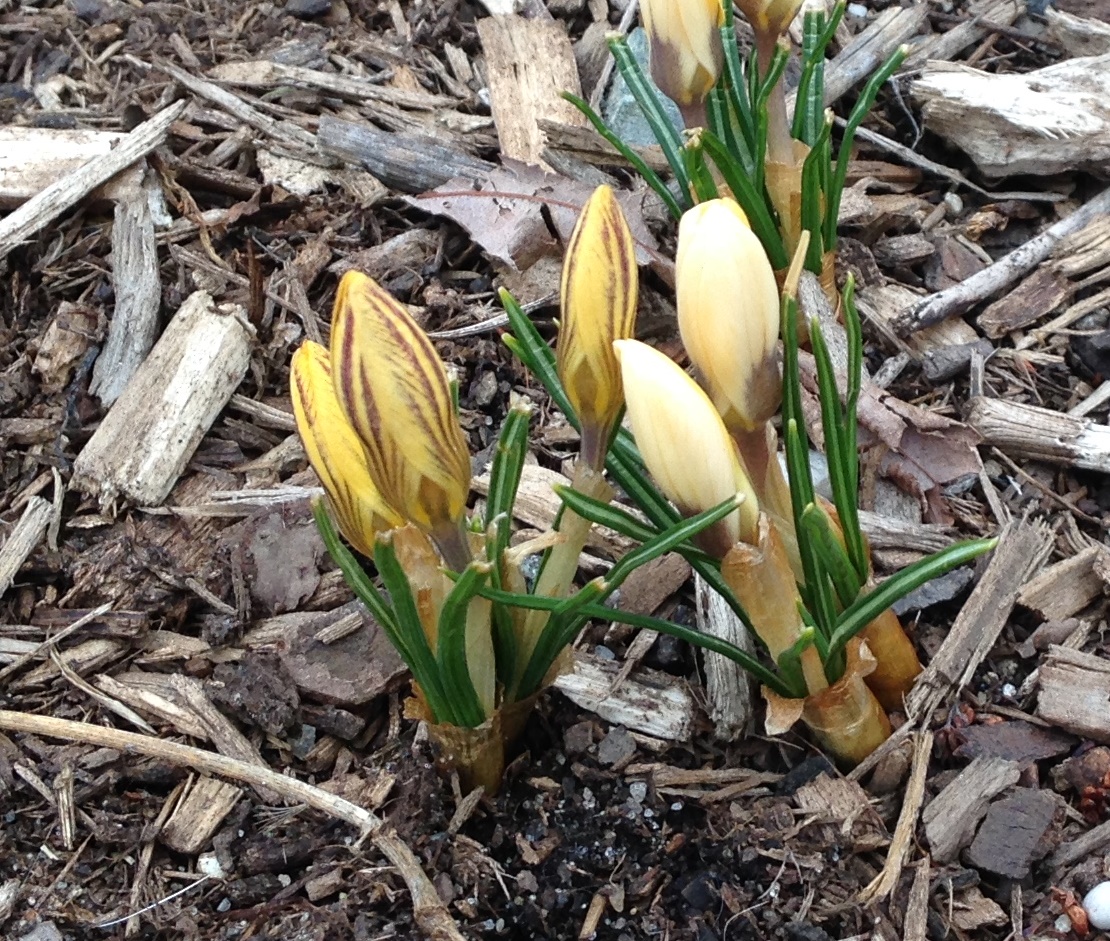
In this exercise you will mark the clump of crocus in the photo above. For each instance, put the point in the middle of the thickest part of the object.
(377, 417)
(687, 57)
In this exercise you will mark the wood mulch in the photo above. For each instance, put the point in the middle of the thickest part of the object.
(201, 735)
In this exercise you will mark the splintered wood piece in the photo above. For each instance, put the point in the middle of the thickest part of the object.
(951, 42)
(1093, 841)
(199, 815)
(148, 436)
(846, 805)
(1037, 296)
(32, 158)
(952, 816)
(1050, 120)
(1075, 693)
(530, 64)
(411, 163)
(182, 702)
(728, 687)
(1022, 549)
(889, 30)
(27, 534)
(42, 209)
(1041, 434)
(1078, 35)
(1066, 588)
(1009, 840)
(1085, 250)
(652, 704)
(137, 288)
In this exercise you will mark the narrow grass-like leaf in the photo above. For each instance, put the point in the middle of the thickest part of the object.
(700, 177)
(451, 645)
(817, 528)
(652, 108)
(866, 609)
(863, 105)
(790, 661)
(736, 84)
(653, 179)
(504, 478)
(424, 667)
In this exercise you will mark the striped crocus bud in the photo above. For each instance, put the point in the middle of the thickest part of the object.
(335, 451)
(394, 390)
(599, 287)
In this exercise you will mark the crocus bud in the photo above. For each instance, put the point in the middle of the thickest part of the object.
(685, 44)
(335, 451)
(728, 312)
(685, 444)
(598, 292)
(772, 18)
(394, 390)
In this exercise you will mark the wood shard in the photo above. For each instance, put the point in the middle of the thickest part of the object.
(1066, 588)
(151, 432)
(199, 815)
(1022, 548)
(1037, 296)
(1075, 693)
(1041, 434)
(952, 816)
(530, 64)
(1011, 837)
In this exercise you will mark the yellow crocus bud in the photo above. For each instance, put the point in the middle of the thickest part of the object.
(685, 44)
(728, 312)
(394, 390)
(772, 18)
(685, 444)
(335, 451)
(599, 286)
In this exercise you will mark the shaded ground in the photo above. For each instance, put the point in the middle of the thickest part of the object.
(599, 832)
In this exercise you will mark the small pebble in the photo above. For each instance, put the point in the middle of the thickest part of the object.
(857, 10)
(638, 790)
(1096, 904)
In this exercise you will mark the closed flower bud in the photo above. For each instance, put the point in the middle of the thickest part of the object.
(598, 292)
(394, 390)
(770, 17)
(685, 43)
(685, 444)
(728, 312)
(335, 451)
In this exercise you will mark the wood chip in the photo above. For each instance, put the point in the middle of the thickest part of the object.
(1066, 588)
(530, 64)
(951, 817)
(26, 535)
(147, 438)
(1022, 549)
(1037, 296)
(1075, 692)
(199, 814)
(1011, 836)
(1041, 434)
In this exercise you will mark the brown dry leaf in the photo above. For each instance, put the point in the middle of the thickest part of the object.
(925, 450)
(505, 214)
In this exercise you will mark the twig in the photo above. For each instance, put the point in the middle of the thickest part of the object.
(1004, 272)
(39, 211)
(881, 887)
(430, 914)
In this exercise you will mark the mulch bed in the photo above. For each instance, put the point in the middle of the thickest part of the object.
(600, 831)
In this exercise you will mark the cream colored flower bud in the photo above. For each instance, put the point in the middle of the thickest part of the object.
(684, 443)
(728, 312)
(685, 44)
(335, 451)
(770, 17)
(394, 390)
(599, 287)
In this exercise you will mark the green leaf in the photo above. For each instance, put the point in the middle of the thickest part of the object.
(504, 478)
(424, 668)
(866, 609)
(451, 646)
(790, 662)
(700, 177)
(653, 179)
(818, 531)
(652, 108)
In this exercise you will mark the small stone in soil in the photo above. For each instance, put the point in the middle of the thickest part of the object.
(306, 9)
(616, 748)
